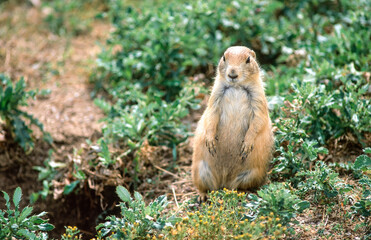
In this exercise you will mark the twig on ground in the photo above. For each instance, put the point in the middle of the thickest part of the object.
(176, 201)
(166, 171)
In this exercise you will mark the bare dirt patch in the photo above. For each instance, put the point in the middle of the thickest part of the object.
(62, 65)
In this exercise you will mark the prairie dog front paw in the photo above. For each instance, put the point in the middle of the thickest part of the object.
(246, 149)
(210, 142)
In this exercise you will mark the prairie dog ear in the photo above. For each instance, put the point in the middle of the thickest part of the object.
(252, 53)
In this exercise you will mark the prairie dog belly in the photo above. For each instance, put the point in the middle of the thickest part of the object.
(234, 122)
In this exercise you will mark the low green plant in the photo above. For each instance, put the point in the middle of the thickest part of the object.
(159, 47)
(314, 115)
(345, 45)
(12, 97)
(278, 199)
(322, 182)
(137, 117)
(46, 175)
(363, 162)
(72, 233)
(104, 154)
(137, 219)
(146, 117)
(296, 150)
(330, 113)
(224, 216)
(279, 79)
(363, 205)
(17, 223)
(63, 17)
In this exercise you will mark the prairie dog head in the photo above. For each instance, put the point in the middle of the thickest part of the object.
(238, 65)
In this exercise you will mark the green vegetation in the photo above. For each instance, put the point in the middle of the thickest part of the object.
(323, 183)
(154, 70)
(227, 215)
(12, 97)
(317, 78)
(17, 223)
(363, 206)
(137, 218)
(156, 50)
(276, 198)
(137, 117)
(62, 17)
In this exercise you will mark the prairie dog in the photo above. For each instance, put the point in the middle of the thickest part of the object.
(233, 140)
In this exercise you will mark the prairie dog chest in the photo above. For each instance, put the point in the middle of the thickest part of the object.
(235, 107)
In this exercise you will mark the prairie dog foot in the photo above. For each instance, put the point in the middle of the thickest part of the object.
(249, 179)
(202, 197)
(206, 176)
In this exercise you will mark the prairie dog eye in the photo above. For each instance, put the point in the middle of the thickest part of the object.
(248, 60)
(223, 58)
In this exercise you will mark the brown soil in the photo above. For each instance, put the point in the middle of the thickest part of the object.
(63, 65)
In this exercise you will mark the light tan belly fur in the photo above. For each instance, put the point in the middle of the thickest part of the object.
(232, 128)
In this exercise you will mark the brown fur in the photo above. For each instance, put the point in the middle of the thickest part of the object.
(233, 140)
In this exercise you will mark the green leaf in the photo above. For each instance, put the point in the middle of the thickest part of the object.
(70, 187)
(47, 137)
(105, 154)
(46, 227)
(301, 206)
(41, 214)
(367, 150)
(362, 162)
(79, 175)
(14, 226)
(17, 196)
(132, 144)
(138, 196)
(25, 213)
(26, 233)
(102, 104)
(6, 196)
(37, 220)
(123, 193)
(22, 134)
(33, 198)
(7, 202)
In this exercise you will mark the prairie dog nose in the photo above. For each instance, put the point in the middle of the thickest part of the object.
(233, 74)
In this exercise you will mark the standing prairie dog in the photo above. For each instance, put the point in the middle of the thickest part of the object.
(233, 140)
